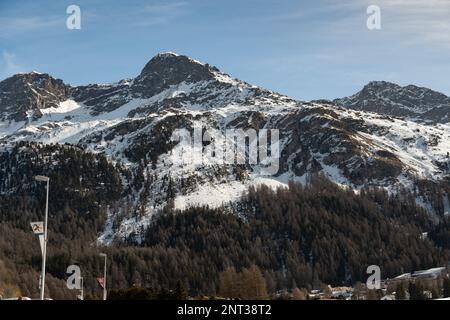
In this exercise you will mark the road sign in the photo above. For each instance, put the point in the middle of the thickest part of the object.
(37, 227)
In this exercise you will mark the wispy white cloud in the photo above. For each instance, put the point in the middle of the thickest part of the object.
(9, 65)
(407, 22)
(314, 11)
(422, 22)
(166, 7)
(11, 26)
(410, 22)
(163, 12)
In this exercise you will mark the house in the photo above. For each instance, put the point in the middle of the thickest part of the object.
(341, 292)
(432, 273)
(405, 276)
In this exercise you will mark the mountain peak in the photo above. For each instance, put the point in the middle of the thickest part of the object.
(33, 75)
(25, 93)
(166, 69)
(392, 99)
(34, 72)
(381, 84)
(167, 54)
(169, 62)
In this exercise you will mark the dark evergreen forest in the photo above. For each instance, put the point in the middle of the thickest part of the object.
(296, 237)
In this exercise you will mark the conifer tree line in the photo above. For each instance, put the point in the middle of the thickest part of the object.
(295, 238)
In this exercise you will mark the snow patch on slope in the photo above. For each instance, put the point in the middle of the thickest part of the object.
(217, 195)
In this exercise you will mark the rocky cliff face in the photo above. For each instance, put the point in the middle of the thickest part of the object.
(168, 69)
(23, 96)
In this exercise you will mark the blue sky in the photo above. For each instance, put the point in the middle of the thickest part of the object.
(306, 49)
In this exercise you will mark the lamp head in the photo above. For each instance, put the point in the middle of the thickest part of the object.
(42, 178)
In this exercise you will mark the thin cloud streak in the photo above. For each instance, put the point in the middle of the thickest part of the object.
(410, 22)
(9, 65)
(15, 25)
(163, 13)
(407, 22)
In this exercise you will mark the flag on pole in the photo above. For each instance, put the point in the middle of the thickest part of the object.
(38, 229)
(101, 282)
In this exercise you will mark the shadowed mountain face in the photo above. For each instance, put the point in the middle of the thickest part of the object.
(22, 96)
(409, 101)
(385, 135)
(170, 69)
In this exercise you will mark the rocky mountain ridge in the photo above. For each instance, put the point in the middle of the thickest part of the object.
(132, 122)
(410, 101)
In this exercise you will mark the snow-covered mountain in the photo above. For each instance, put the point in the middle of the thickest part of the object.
(23, 96)
(409, 102)
(385, 135)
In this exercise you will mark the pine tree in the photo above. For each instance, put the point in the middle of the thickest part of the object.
(180, 291)
(298, 294)
(446, 288)
(229, 283)
(400, 292)
(416, 291)
(253, 284)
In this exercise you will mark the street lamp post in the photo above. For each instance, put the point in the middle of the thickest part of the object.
(44, 250)
(104, 276)
(82, 291)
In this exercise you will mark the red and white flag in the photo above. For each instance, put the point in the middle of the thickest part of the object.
(101, 282)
